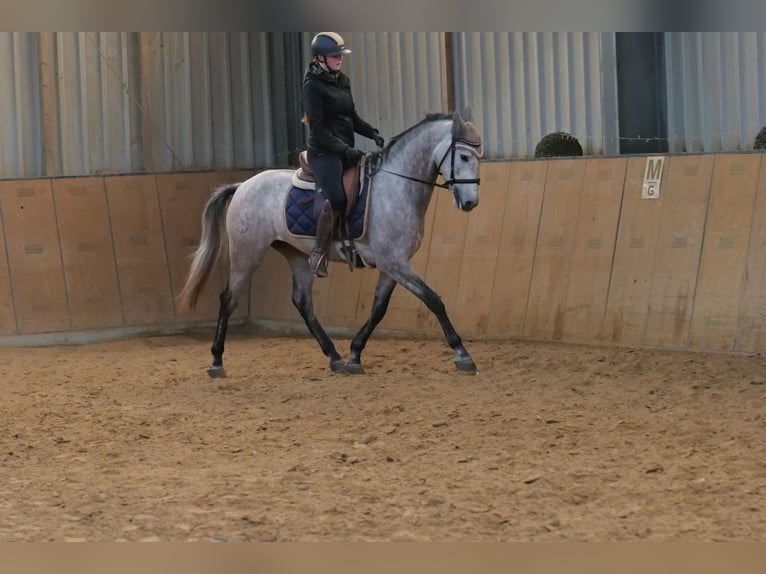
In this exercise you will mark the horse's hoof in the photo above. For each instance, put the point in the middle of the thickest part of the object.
(466, 366)
(354, 369)
(216, 372)
(338, 366)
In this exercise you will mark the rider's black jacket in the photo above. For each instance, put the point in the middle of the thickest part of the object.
(330, 111)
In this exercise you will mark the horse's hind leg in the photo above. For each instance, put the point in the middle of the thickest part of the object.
(216, 370)
(228, 299)
(383, 291)
(303, 279)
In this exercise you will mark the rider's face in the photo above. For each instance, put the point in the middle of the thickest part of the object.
(333, 63)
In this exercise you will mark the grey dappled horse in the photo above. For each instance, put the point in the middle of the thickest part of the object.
(401, 188)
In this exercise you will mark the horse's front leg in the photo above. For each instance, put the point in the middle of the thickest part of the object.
(383, 291)
(301, 298)
(410, 281)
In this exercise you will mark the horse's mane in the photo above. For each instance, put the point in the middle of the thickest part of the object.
(430, 117)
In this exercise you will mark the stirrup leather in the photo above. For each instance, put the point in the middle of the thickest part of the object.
(348, 249)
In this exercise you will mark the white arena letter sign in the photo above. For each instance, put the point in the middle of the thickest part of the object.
(652, 177)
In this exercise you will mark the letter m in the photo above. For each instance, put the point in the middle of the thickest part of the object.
(653, 169)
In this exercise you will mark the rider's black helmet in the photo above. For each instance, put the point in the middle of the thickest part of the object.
(328, 44)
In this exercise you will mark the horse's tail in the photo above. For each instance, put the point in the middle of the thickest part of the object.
(212, 243)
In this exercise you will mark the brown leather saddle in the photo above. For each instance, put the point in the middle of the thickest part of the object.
(351, 179)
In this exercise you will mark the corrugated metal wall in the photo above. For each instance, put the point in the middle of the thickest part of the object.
(86, 103)
(396, 78)
(524, 85)
(20, 152)
(216, 100)
(715, 83)
(120, 102)
(100, 102)
(76, 103)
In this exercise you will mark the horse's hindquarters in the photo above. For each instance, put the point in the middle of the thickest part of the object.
(256, 212)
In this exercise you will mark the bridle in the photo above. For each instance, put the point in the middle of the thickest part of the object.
(457, 142)
(473, 147)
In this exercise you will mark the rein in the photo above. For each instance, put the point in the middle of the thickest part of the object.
(448, 183)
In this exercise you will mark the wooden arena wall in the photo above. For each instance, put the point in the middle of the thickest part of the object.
(88, 257)
(562, 249)
(568, 249)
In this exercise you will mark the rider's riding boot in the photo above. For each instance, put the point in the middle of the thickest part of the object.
(318, 256)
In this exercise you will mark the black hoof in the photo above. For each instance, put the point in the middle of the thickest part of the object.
(338, 366)
(466, 366)
(354, 369)
(216, 372)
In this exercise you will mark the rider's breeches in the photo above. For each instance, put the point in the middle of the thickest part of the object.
(328, 172)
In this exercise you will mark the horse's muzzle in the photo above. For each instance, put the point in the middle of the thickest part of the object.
(468, 205)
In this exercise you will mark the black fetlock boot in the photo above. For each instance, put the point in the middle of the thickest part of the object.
(318, 256)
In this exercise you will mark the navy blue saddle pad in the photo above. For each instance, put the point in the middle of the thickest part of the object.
(299, 212)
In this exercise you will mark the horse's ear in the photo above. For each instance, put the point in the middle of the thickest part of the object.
(457, 123)
(468, 114)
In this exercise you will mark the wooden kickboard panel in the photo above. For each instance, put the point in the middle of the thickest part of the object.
(348, 295)
(34, 256)
(668, 285)
(555, 245)
(368, 280)
(88, 252)
(405, 311)
(445, 257)
(218, 178)
(345, 288)
(142, 268)
(182, 198)
(472, 309)
(7, 311)
(751, 327)
(594, 248)
(321, 295)
(516, 248)
(685, 191)
(724, 253)
(633, 265)
(271, 290)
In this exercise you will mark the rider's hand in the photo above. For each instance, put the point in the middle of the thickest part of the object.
(378, 139)
(353, 155)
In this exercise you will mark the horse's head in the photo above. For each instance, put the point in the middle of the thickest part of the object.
(459, 165)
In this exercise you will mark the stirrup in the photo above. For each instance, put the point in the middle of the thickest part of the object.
(318, 262)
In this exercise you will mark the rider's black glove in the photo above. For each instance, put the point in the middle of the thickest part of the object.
(353, 155)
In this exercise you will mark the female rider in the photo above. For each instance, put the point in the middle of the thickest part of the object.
(332, 119)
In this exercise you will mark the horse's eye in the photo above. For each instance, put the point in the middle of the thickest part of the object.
(464, 156)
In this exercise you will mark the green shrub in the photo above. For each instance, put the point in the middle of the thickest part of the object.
(760, 140)
(558, 144)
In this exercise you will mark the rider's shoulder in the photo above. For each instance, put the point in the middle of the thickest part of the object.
(343, 80)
